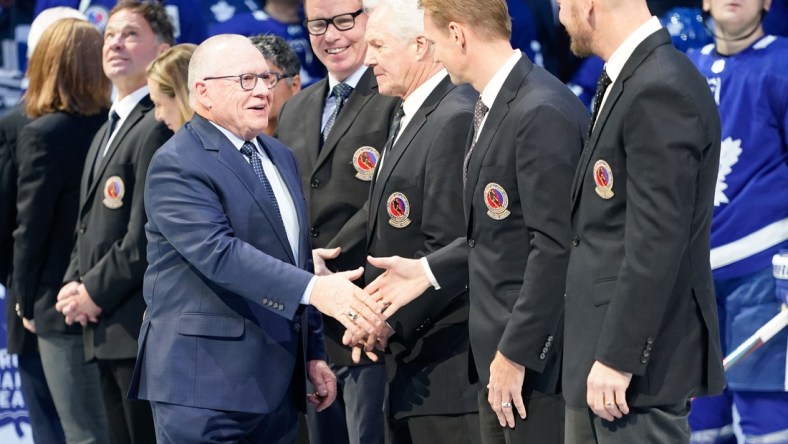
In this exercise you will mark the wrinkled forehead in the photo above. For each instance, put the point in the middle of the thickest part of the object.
(236, 58)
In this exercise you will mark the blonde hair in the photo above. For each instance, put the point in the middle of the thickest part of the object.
(65, 71)
(489, 18)
(170, 72)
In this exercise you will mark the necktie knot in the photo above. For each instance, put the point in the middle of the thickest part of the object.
(342, 91)
(247, 149)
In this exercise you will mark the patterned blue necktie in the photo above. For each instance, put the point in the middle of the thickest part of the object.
(248, 150)
(340, 92)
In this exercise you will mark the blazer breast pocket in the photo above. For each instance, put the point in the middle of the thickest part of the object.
(210, 325)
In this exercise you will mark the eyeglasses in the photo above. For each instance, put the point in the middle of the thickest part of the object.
(342, 22)
(280, 76)
(249, 81)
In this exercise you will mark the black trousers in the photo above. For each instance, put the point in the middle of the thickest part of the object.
(129, 421)
(543, 424)
(643, 425)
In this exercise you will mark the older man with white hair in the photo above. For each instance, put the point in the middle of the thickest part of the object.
(415, 208)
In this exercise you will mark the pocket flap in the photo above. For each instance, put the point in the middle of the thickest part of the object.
(208, 324)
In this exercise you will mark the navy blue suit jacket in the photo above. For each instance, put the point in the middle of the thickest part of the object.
(223, 324)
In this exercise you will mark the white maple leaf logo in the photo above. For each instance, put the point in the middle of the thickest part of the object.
(729, 155)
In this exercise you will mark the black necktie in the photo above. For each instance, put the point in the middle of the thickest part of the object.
(249, 150)
(479, 111)
(601, 86)
(340, 92)
(394, 129)
(102, 149)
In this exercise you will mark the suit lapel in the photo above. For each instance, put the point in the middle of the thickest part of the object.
(89, 161)
(228, 155)
(313, 115)
(646, 47)
(496, 115)
(133, 118)
(403, 143)
(361, 94)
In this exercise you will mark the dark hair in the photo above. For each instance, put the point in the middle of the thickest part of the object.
(276, 49)
(69, 52)
(154, 13)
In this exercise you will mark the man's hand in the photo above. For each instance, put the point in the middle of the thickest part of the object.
(325, 383)
(505, 389)
(320, 256)
(77, 305)
(402, 281)
(336, 296)
(379, 342)
(30, 325)
(606, 391)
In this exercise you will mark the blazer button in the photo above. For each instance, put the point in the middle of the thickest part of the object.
(550, 338)
(280, 307)
(542, 356)
(646, 353)
(545, 350)
(643, 360)
(471, 243)
(315, 183)
(576, 241)
(296, 327)
(82, 229)
(649, 341)
(265, 300)
(314, 232)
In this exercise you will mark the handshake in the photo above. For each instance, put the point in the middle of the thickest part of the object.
(363, 312)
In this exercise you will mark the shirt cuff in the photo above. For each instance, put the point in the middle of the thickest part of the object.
(430, 276)
(308, 291)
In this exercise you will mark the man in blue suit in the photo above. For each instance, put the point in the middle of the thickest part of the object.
(229, 332)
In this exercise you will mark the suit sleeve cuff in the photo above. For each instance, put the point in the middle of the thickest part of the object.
(308, 291)
(430, 276)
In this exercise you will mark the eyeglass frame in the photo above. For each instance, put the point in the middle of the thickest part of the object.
(269, 85)
(332, 21)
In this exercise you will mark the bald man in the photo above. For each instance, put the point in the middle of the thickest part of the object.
(641, 333)
(229, 335)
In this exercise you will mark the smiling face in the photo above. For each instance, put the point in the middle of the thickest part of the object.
(129, 46)
(243, 113)
(342, 52)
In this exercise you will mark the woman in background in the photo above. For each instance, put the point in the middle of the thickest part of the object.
(66, 111)
(169, 86)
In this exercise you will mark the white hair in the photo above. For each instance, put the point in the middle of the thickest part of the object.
(404, 18)
(44, 20)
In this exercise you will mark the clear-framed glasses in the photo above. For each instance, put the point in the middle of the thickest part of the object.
(342, 22)
(249, 81)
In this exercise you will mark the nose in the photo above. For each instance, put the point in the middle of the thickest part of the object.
(369, 58)
(332, 33)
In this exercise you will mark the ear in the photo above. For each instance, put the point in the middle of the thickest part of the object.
(457, 34)
(767, 4)
(201, 94)
(422, 48)
(161, 48)
(707, 6)
(296, 86)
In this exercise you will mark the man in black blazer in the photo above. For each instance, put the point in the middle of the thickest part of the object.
(415, 208)
(518, 170)
(641, 323)
(103, 287)
(337, 153)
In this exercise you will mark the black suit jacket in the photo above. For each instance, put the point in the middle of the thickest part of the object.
(427, 363)
(517, 238)
(639, 294)
(19, 340)
(334, 194)
(49, 171)
(109, 253)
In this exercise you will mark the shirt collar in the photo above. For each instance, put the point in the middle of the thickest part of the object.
(420, 94)
(620, 56)
(495, 84)
(125, 105)
(235, 140)
(352, 79)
